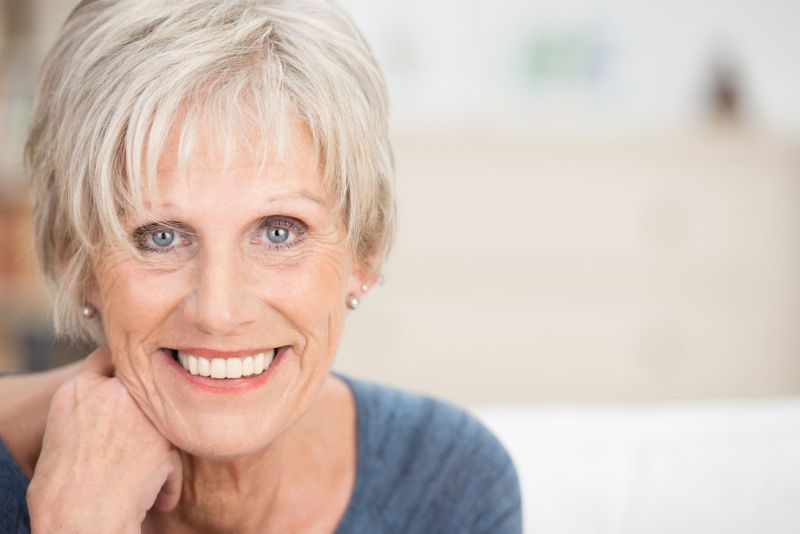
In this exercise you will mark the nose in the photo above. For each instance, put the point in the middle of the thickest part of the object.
(220, 304)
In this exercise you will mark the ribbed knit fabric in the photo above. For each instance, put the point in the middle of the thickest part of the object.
(424, 466)
(13, 486)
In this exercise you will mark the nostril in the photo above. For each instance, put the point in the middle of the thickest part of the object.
(221, 305)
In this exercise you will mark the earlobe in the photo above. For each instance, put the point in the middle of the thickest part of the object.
(353, 301)
(88, 311)
(363, 279)
(91, 299)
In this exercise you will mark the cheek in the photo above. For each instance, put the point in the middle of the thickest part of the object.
(311, 296)
(317, 278)
(135, 305)
(141, 304)
(137, 301)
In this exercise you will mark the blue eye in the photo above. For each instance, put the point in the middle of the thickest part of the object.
(282, 232)
(277, 234)
(160, 237)
(163, 238)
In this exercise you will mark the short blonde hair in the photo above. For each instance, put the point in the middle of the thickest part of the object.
(124, 72)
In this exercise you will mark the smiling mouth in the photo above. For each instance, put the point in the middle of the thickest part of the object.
(224, 368)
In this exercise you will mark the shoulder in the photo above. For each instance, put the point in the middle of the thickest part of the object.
(13, 487)
(427, 462)
(392, 419)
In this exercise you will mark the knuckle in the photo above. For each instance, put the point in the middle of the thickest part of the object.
(116, 389)
(82, 381)
(64, 395)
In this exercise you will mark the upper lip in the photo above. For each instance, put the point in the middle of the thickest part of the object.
(214, 353)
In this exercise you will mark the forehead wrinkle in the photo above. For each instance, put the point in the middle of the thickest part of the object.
(299, 159)
(302, 194)
(249, 143)
(207, 162)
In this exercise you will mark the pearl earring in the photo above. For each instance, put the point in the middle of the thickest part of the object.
(364, 288)
(88, 311)
(352, 302)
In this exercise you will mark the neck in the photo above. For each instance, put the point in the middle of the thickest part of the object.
(231, 495)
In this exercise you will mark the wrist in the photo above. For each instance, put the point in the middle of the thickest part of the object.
(24, 405)
(75, 517)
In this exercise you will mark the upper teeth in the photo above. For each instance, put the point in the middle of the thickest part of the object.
(226, 367)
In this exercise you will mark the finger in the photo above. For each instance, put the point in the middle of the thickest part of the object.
(99, 363)
(170, 493)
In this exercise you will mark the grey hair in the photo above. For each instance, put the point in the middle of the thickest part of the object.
(124, 72)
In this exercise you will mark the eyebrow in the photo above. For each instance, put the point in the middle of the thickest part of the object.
(302, 194)
(308, 195)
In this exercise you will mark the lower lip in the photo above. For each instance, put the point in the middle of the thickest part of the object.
(227, 385)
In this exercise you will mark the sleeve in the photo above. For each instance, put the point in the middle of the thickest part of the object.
(14, 517)
(477, 491)
(495, 501)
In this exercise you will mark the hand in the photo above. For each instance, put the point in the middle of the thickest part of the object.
(103, 465)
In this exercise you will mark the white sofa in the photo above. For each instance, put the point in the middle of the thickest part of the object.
(712, 467)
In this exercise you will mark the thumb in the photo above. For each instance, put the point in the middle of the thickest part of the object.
(170, 492)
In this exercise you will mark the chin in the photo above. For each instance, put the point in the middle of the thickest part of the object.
(227, 417)
(224, 437)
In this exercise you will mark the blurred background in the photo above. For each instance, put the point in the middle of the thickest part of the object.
(598, 245)
(599, 201)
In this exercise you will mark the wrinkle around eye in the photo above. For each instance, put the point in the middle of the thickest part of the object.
(308, 249)
(142, 237)
(296, 228)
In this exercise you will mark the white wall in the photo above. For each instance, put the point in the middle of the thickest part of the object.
(589, 269)
(620, 62)
(650, 258)
(633, 61)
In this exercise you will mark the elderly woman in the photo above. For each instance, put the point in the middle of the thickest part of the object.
(212, 184)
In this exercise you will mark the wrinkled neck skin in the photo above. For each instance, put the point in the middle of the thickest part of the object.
(302, 481)
(225, 495)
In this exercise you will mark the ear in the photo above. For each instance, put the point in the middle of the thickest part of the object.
(363, 275)
(91, 293)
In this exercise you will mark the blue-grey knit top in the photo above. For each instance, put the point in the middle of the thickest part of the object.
(424, 466)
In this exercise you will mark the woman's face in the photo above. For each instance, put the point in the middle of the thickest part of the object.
(254, 262)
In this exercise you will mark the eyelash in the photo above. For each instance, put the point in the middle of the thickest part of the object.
(142, 235)
(289, 223)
